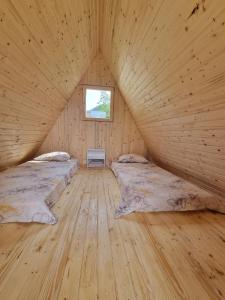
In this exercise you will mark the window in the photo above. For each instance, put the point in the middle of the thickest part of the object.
(98, 103)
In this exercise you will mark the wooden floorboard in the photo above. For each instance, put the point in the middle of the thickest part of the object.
(89, 254)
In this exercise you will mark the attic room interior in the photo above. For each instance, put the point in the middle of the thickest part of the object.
(112, 149)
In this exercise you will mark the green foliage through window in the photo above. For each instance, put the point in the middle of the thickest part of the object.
(98, 104)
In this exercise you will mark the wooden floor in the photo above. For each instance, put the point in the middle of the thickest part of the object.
(91, 255)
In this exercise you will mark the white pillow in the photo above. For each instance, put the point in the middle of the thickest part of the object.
(53, 156)
(132, 158)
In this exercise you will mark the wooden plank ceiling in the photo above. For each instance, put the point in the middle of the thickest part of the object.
(168, 58)
(45, 48)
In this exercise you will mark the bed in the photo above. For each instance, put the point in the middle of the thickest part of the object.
(149, 188)
(28, 191)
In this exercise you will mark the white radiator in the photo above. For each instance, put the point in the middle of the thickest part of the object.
(96, 158)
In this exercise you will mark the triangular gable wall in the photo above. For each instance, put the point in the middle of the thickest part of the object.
(73, 134)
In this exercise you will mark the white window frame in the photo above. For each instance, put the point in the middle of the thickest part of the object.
(99, 87)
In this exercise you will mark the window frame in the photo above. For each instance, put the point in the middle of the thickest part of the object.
(98, 87)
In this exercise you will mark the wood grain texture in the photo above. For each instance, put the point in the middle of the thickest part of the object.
(75, 135)
(90, 255)
(168, 61)
(46, 47)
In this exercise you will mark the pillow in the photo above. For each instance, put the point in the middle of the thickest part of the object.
(53, 156)
(132, 158)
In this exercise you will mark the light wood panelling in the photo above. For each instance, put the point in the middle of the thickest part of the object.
(91, 255)
(45, 48)
(168, 58)
(73, 134)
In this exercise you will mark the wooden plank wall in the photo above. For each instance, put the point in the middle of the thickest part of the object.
(168, 58)
(45, 48)
(73, 134)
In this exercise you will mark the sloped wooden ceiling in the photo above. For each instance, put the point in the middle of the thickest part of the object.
(168, 58)
(45, 48)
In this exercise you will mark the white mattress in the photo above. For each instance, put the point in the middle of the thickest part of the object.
(28, 191)
(148, 188)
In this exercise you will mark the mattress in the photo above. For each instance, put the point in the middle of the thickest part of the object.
(149, 188)
(28, 191)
